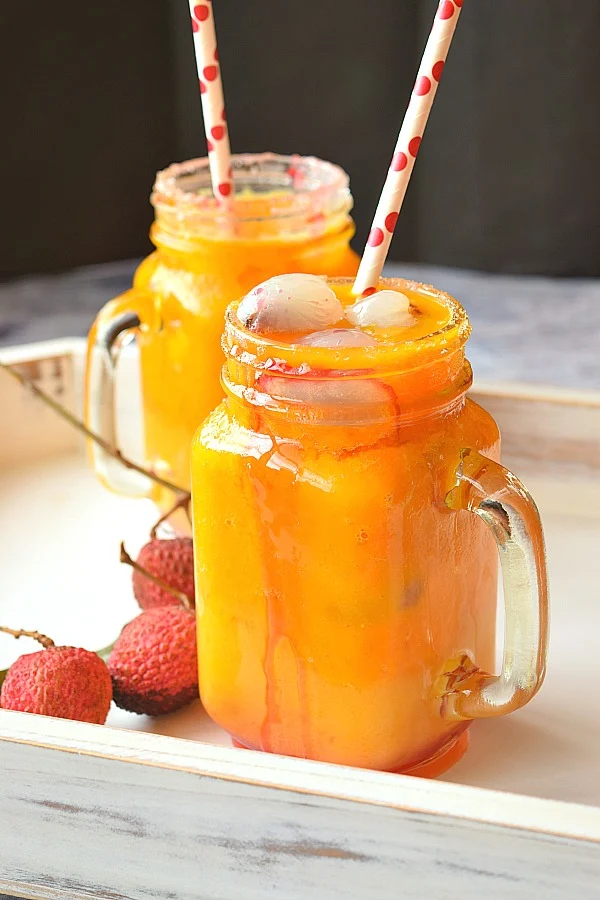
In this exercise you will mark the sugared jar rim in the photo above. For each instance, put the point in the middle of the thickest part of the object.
(302, 185)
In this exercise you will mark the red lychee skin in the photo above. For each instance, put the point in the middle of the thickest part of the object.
(63, 682)
(173, 562)
(154, 667)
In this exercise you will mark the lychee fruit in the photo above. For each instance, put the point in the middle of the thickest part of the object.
(170, 562)
(384, 309)
(292, 302)
(153, 664)
(63, 682)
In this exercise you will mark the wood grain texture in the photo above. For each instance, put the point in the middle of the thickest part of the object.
(117, 814)
(33, 427)
(185, 827)
(545, 428)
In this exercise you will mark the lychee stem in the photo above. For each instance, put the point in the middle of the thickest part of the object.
(183, 502)
(46, 642)
(76, 423)
(183, 598)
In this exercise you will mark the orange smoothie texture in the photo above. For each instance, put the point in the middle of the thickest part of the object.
(181, 292)
(340, 596)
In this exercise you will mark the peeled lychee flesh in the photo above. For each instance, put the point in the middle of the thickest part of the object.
(383, 309)
(173, 562)
(290, 303)
(329, 392)
(338, 337)
(63, 682)
(153, 665)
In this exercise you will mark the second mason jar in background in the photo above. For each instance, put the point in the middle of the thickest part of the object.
(291, 214)
(346, 574)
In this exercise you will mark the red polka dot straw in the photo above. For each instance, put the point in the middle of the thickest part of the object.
(211, 93)
(407, 147)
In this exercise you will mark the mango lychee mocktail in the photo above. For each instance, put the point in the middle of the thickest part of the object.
(340, 594)
(346, 502)
(290, 214)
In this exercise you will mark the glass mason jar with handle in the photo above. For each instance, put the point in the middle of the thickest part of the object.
(348, 509)
(291, 214)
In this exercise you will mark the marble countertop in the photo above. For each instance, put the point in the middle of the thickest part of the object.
(525, 329)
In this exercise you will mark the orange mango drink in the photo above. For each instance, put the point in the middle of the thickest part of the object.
(290, 214)
(341, 598)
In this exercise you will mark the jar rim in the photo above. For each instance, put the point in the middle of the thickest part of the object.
(290, 360)
(318, 187)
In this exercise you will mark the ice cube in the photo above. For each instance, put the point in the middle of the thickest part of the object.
(339, 337)
(384, 309)
(290, 303)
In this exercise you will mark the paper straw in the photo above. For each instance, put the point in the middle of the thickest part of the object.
(213, 106)
(407, 147)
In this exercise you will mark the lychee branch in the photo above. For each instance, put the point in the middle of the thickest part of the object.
(182, 503)
(76, 423)
(42, 639)
(183, 598)
(46, 642)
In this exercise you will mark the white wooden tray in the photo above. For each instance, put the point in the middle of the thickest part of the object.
(165, 808)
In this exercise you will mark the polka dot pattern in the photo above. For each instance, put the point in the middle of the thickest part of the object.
(413, 146)
(423, 86)
(211, 93)
(390, 221)
(408, 146)
(399, 162)
(438, 69)
(375, 237)
(446, 9)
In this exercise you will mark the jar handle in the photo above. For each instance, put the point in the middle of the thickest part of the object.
(105, 341)
(491, 492)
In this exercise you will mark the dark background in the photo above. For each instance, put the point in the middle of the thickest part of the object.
(96, 97)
